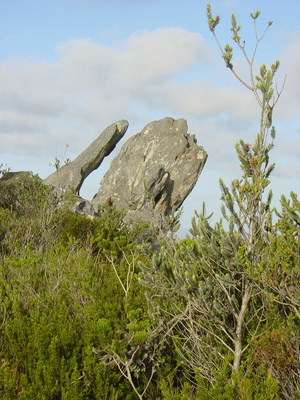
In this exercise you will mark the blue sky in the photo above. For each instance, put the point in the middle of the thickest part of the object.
(70, 68)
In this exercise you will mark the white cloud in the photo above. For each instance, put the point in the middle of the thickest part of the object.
(91, 84)
(155, 57)
(201, 98)
(145, 77)
(289, 104)
(28, 87)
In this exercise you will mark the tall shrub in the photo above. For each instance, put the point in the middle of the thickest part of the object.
(210, 291)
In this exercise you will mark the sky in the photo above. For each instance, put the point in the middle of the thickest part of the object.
(70, 68)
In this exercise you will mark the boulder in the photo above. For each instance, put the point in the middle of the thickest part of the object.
(73, 174)
(85, 207)
(155, 170)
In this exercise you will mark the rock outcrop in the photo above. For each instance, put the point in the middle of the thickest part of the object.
(73, 174)
(152, 175)
(155, 170)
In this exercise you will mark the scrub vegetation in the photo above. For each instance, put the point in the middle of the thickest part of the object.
(99, 309)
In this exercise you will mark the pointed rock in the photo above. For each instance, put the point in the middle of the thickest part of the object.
(155, 170)
(73, 174)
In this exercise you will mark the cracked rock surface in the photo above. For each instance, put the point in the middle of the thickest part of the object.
(155, 170)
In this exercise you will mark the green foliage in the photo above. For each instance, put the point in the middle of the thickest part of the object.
(61, 303)
(30, 216)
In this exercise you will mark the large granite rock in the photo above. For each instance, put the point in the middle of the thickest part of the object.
(151, 176)
(73, 174)
(155, 170)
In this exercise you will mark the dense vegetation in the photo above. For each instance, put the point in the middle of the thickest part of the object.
(100, 309)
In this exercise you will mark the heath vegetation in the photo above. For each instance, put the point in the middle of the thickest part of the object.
(97, 309)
